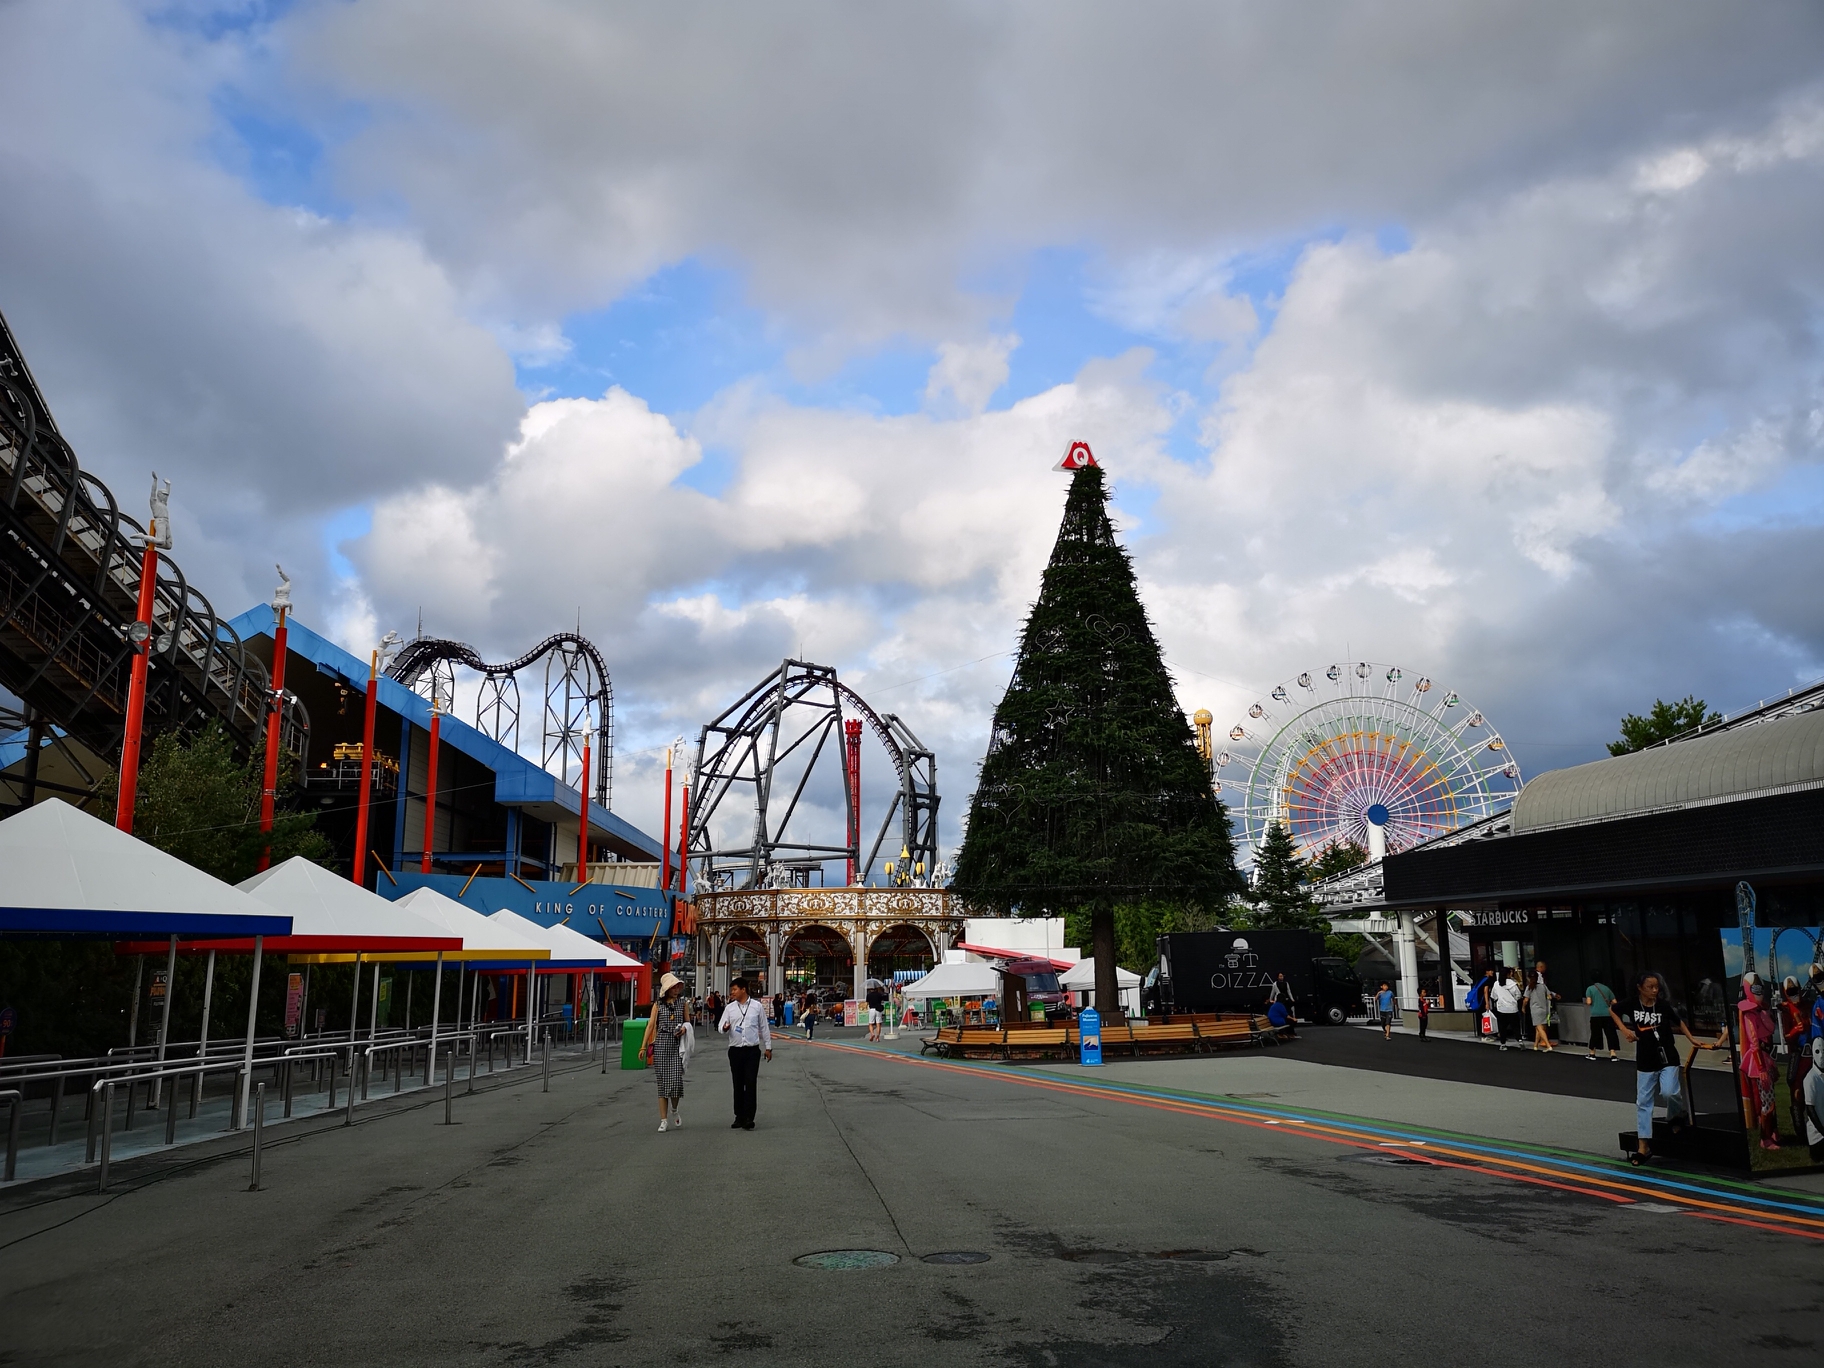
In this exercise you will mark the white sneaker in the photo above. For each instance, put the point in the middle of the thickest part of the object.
(677, 1122)
(663, 1127)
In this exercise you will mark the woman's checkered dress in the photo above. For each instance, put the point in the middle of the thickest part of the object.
(667, 1064)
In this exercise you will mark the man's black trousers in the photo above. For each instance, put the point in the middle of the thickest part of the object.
(744, 1067)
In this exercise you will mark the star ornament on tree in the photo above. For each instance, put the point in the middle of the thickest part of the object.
(1076, 457)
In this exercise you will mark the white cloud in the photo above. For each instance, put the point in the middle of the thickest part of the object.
(966, 374)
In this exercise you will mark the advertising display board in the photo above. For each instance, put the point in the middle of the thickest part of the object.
(1773, 1035)
(294, 1004)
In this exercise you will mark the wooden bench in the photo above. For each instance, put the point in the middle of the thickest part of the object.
(1037, 1043)
(946, 1037)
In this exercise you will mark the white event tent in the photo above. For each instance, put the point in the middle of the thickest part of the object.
(64, 873)
(955, 981)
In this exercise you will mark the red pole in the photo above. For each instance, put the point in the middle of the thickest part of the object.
(851, 731)
(269, 792)
(136, 691)
(582, 833)
(367, 769)
(683, 836)
(665, 828)
(430, 789)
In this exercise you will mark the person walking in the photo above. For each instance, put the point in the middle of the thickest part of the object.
(1478, 1003)
(1539, 1002)
(1653, 1027)
(1383, 1003)
(750, 1039)
(665, 1028)
(1600, 998)
(1506, 1001)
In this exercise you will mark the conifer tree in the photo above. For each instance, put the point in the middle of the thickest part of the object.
(1279, 891)
(1092, 793)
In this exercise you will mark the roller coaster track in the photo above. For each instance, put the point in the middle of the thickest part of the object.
(69, 590)
(584, 681)
(742, 747)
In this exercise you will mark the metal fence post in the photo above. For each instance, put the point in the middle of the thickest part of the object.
(107, 1133)
(547, 1054)
(330, 1078)
(449, 1083)
(95, 1087)
(16, 1098)
(259, 1132)
(348, 1116)
(171, 1118)
(367, 1071)
(56, 1109)
(472, 1043)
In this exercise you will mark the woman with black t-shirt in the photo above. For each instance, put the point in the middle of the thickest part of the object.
(1653, 1025)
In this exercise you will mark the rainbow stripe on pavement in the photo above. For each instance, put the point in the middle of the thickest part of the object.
(1717, 1199)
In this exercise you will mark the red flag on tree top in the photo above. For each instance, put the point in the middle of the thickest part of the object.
(1076, 457)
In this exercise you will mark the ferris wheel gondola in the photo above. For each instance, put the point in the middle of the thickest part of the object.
(1361, 755)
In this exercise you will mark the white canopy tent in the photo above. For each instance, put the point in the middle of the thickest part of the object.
(1081, 978)
(65, 873)
(955, 981)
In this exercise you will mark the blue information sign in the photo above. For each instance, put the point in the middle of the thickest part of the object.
(1089, 1030)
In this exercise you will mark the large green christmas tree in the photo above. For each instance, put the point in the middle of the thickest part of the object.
(1092, 794)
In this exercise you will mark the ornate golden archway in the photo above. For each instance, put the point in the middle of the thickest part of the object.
(777, 914)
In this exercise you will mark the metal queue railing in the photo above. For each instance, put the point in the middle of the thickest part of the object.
(130, 1067)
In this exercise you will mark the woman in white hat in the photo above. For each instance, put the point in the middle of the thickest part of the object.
(665, 1030)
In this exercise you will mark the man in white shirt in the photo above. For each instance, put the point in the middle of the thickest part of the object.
(750, 1039)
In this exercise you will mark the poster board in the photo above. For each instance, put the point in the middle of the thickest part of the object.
(1764, 1077)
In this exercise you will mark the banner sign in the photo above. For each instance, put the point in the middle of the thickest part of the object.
(294, 1004)
(604, 912)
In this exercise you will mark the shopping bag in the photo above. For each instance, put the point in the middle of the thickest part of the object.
(1488, 1023)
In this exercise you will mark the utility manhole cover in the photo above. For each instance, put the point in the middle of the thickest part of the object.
(847, 1258)
(957, 1256)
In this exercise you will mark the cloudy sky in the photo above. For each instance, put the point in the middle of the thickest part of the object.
(1483, 340)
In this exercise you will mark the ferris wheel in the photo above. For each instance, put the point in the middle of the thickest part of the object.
(1362, 753)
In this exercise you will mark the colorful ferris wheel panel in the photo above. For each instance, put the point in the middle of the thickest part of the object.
(1366, 754)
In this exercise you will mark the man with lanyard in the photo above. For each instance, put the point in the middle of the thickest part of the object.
(749, 1035)
(1653, 1029)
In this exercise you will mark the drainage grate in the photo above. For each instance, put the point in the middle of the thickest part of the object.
(957, 1256)
(847, 1258)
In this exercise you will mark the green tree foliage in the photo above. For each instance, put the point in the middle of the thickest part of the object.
(198, 802)
(1337, 859)
(1279, 895)
(1092, 795)
(1662, 722)
(1138, 927)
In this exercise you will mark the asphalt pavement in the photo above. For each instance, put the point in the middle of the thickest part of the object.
(1110, 1224)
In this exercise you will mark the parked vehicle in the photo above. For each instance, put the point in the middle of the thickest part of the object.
(1234, 971)
(1028, 982)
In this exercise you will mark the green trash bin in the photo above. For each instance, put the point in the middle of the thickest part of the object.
(633, 1035)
